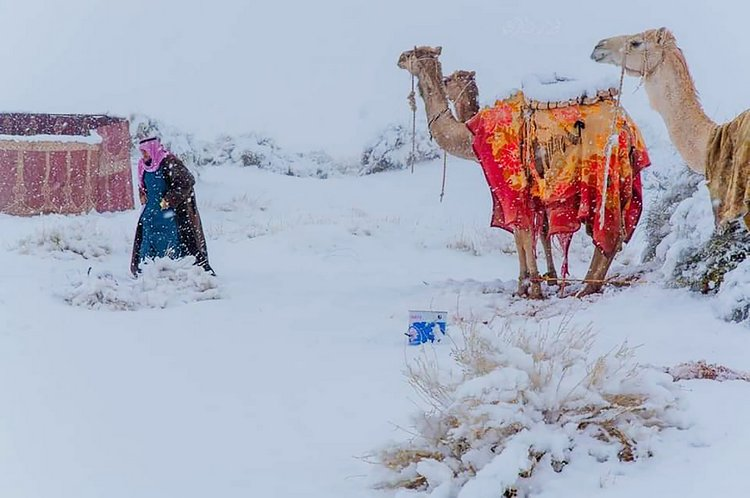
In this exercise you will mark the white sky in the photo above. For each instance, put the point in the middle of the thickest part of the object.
(322, 75)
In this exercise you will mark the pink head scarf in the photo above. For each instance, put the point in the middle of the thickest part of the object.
(156, 151)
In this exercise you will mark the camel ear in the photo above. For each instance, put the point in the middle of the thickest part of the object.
(472, 74)
(663, 34)
(438, 50)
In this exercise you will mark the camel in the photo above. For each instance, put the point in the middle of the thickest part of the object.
(462, 91)
(720, 152)
(456, 138)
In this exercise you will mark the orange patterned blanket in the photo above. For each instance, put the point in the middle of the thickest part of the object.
(552, 162)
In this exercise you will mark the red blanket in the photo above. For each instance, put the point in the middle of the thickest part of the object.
(552, 162)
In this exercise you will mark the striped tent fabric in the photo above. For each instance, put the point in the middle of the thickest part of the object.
(64, 163)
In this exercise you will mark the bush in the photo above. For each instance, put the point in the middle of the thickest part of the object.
(392, 150)
(732, 300)
(704, 270)
(248, 150)
(518, 406)
(68, 240)
(163, 283)
(681, 236)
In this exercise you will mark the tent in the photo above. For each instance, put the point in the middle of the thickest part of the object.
(64, 163)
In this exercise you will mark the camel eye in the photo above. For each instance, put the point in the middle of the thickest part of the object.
(635, 44)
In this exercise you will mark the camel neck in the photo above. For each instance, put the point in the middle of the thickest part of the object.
(673, 95)
(431, 85)
(452, 136)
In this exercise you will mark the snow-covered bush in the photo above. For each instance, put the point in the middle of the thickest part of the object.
(660, 222)
(681, 233)
(702, 370)
(689, 229)
(705, 269)
(392, 150)
(682, 238)
(163, 283)
(518, 406)
(184, 145)
(733, 298)
(68, 241)
(249, 150)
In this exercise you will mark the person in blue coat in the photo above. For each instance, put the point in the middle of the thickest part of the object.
(169, 225)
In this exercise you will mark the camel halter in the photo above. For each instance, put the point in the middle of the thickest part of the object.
(412, 99)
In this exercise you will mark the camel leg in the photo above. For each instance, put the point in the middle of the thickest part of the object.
(551, 275)
(523, 272)
(598, 268)
(528, 280)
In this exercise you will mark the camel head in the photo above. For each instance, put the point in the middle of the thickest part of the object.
(640, 53)
(457, 83)
(413, 60)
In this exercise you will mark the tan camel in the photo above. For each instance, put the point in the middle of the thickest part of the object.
(721, 152)
(462, 91)
(453, 136)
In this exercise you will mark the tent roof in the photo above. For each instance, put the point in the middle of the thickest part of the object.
(26, 124)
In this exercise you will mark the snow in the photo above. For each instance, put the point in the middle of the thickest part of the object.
(323, 74)
(732, 301)
(557, 88)
(278, 377)
(92, 138)
(297, 367)
(162, 283)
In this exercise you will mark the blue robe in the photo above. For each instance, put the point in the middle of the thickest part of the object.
(177, 231)
(160, 232)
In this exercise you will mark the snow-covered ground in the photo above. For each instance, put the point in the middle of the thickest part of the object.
(282, 375)
(277, 377)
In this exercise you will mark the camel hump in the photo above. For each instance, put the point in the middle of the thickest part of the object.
(555, 91)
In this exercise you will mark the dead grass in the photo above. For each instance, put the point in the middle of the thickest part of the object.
(557, 382)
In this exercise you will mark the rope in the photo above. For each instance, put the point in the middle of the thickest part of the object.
(607, 281)
(445, 169)
(612, 140)
(413, 105)
(435, 118)
(411, 98)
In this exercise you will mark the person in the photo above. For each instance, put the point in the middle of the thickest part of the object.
(169, 225)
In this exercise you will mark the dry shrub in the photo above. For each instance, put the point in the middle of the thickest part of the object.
(701, 370)
(68, 239)
(163, 283)
(517, 405)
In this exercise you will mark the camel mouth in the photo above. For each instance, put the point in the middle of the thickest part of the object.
(601, 55)
(402, 60)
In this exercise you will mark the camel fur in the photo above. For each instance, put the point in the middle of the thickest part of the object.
(721, 153)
